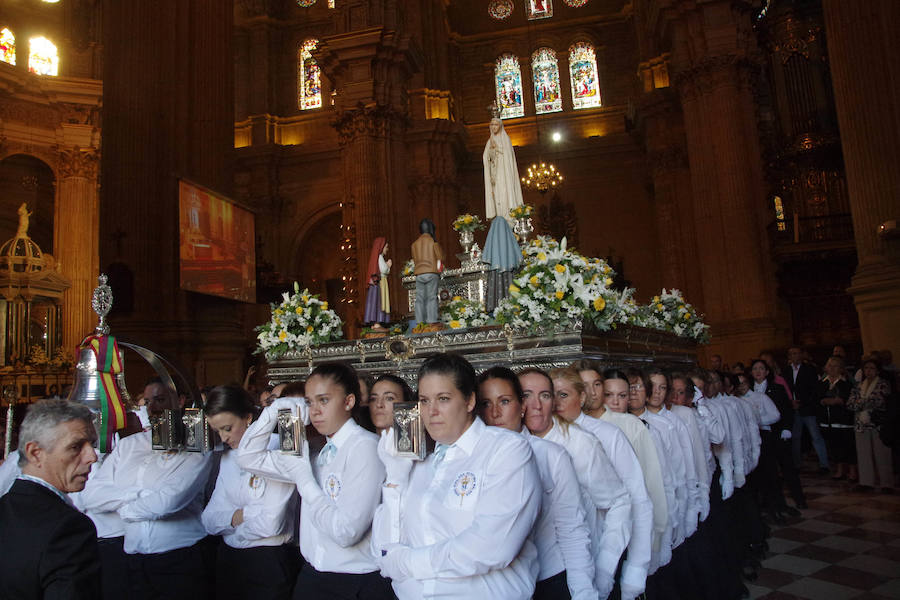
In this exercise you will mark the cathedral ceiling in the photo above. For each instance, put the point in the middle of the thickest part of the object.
(472, 17)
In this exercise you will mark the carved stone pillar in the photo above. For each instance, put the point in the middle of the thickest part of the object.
(864, 54)
(369, 70)
(76, 245)
(713, 74)
(663, 136)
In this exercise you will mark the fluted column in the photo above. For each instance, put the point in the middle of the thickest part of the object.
(76, 245)
(712, 60)
(864, 53)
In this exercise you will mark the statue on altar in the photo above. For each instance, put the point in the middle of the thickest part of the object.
(502, 189)
(428, 258)
(378, 298)
(502, 253)
(24, 215)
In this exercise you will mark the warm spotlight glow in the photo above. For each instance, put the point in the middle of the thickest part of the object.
(557, 136)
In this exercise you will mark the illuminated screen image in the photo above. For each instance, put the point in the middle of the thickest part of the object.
(217, 245)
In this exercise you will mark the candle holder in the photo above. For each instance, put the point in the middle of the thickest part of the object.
(409, 431)
(291, 432)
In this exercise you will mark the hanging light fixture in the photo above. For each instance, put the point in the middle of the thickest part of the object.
(541, 177)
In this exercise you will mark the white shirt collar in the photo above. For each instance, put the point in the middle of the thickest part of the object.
(343, 434)
(466, 442)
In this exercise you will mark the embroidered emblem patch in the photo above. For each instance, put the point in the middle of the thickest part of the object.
(332, 486)
(464, 485)
(257, 486)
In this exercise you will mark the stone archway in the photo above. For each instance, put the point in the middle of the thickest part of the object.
(316, 262)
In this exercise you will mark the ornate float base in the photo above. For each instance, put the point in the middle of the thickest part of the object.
(488, 346)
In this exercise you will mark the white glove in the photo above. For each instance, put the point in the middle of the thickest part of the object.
(295, 403)
(785, 434)
(297, 468)
(396, 468)
(393, 562)
(629, 592)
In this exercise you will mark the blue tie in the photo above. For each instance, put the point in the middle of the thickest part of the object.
(327, 454)
(439, 451)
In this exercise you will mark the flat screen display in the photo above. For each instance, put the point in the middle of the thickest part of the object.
(216, 246)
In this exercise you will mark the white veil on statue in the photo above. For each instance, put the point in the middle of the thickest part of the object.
(502, 190)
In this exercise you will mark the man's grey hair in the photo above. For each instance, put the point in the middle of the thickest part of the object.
(42, 420)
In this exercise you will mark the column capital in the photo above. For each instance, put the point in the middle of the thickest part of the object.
(78, 162)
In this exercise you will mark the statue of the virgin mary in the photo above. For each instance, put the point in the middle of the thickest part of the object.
(502, 190)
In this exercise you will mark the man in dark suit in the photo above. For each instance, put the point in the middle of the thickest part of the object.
(49, 549)
(802, 380)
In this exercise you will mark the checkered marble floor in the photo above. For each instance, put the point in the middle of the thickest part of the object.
(846, 545)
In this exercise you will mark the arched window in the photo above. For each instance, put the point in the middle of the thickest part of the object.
(43, 58)
(779, 213)
(7, 46)
(309, 78)
(583, 76)
(545, 72)
(508, 82)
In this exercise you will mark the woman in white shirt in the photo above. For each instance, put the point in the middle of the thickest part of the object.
(458, 523)
(338, 489)
(256, 517)
(604, 494)
(561, 532)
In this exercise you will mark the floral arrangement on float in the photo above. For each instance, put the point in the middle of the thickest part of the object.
(461, 313)
(558, 287)
(523, 211)
(669, 311)
(301, 320)
(467, 223)
(409, 268)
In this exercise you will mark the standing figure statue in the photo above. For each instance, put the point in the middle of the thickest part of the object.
(22, 231)
(378, 299)
(502, 189)
(427, 256)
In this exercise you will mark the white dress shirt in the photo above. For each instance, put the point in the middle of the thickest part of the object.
(9, 471)
(108, 523)
(642, 442)
(752, 440)
(335, 515)
(670, 452)
(605, 498)
(466, 520)
(628, 468)
(767, 413)
(561, 531)
(734, 443)
(269, 507)
(715, 423)
(699, 450)
(692, 503)
(159, 495)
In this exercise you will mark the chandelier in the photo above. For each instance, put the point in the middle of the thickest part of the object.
(542, 177)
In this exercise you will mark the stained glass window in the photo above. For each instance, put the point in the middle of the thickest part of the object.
(583, 76)
(43, 57)
(309, 78)
(508, 81)
(330, 3)
(7, 46)
(538, 9)
(545, 71)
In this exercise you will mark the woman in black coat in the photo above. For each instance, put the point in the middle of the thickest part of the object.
(836, 420)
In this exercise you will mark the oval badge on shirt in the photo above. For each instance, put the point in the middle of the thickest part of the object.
(464, 485)
(257, 486)
(332, 486)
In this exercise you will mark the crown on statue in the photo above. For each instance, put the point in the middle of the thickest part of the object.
(495, 110)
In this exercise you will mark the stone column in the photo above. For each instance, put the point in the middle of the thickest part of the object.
(663, 136)
(864, 53)
(712, 44)
(76, 245)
